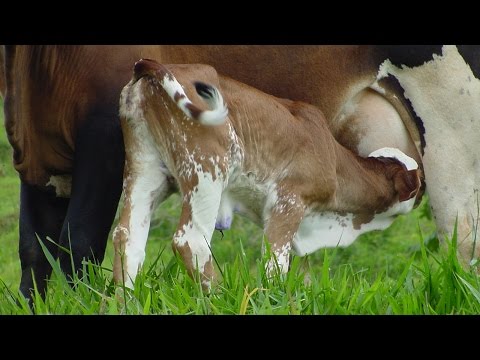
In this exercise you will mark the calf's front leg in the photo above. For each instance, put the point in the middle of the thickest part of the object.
(281, 227)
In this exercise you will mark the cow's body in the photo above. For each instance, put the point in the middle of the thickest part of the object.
(271, 159)
(427, 108)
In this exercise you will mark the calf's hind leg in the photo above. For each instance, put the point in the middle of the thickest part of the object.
(197, 222)
(145, 185)
(143, 191)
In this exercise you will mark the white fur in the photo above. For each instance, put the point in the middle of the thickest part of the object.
(215, 116)
(445, 94)
(62, 185)
(280, 261)
(389, 152)
(329, 229)
(218, 110)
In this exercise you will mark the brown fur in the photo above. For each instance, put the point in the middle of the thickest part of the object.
(322, 170)
(3, 83)
(51, 88)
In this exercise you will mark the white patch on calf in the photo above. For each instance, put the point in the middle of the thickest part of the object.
(62, 185)
(329, 229)
(144, 194)
(146, 181)
(281, 260)
(204, 203)
(172, 87)
(131, 109)
(397, 154)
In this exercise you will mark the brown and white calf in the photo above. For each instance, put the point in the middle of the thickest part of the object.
(272, 160)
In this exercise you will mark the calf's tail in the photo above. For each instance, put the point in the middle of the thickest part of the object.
(218, 111)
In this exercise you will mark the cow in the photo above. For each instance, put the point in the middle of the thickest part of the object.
(61, 118)
(419, 99)
(272, 160)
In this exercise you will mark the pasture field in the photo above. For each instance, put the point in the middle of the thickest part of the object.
(398, 271)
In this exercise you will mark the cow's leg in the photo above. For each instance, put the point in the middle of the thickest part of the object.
(96, 188)
(285, 217)
(145, 185)
(197, 223)
(454, 197)
(41, 213)
(444, 94)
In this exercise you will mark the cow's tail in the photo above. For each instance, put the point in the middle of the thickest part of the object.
(210, 94)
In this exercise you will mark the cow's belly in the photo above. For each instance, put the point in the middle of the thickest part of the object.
(38, 160)
(42, 148)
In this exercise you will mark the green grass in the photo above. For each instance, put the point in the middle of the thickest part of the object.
(397, 271)
(9, 209)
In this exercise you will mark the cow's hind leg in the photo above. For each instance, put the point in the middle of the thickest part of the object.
(455, 198)
(41, 213)
(195, 229)
(96, 189)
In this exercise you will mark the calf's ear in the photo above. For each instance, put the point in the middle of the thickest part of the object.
(407, 184)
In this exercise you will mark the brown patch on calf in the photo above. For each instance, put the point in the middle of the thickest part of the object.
(120, 259)
(406, 182)
(186, 254)
(185, 251)
(178, 96)
(121, 232)
(195, 111)
(144, 67)
(360, 219)
(285, 218)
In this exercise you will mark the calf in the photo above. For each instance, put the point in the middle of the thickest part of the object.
(272, 160)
